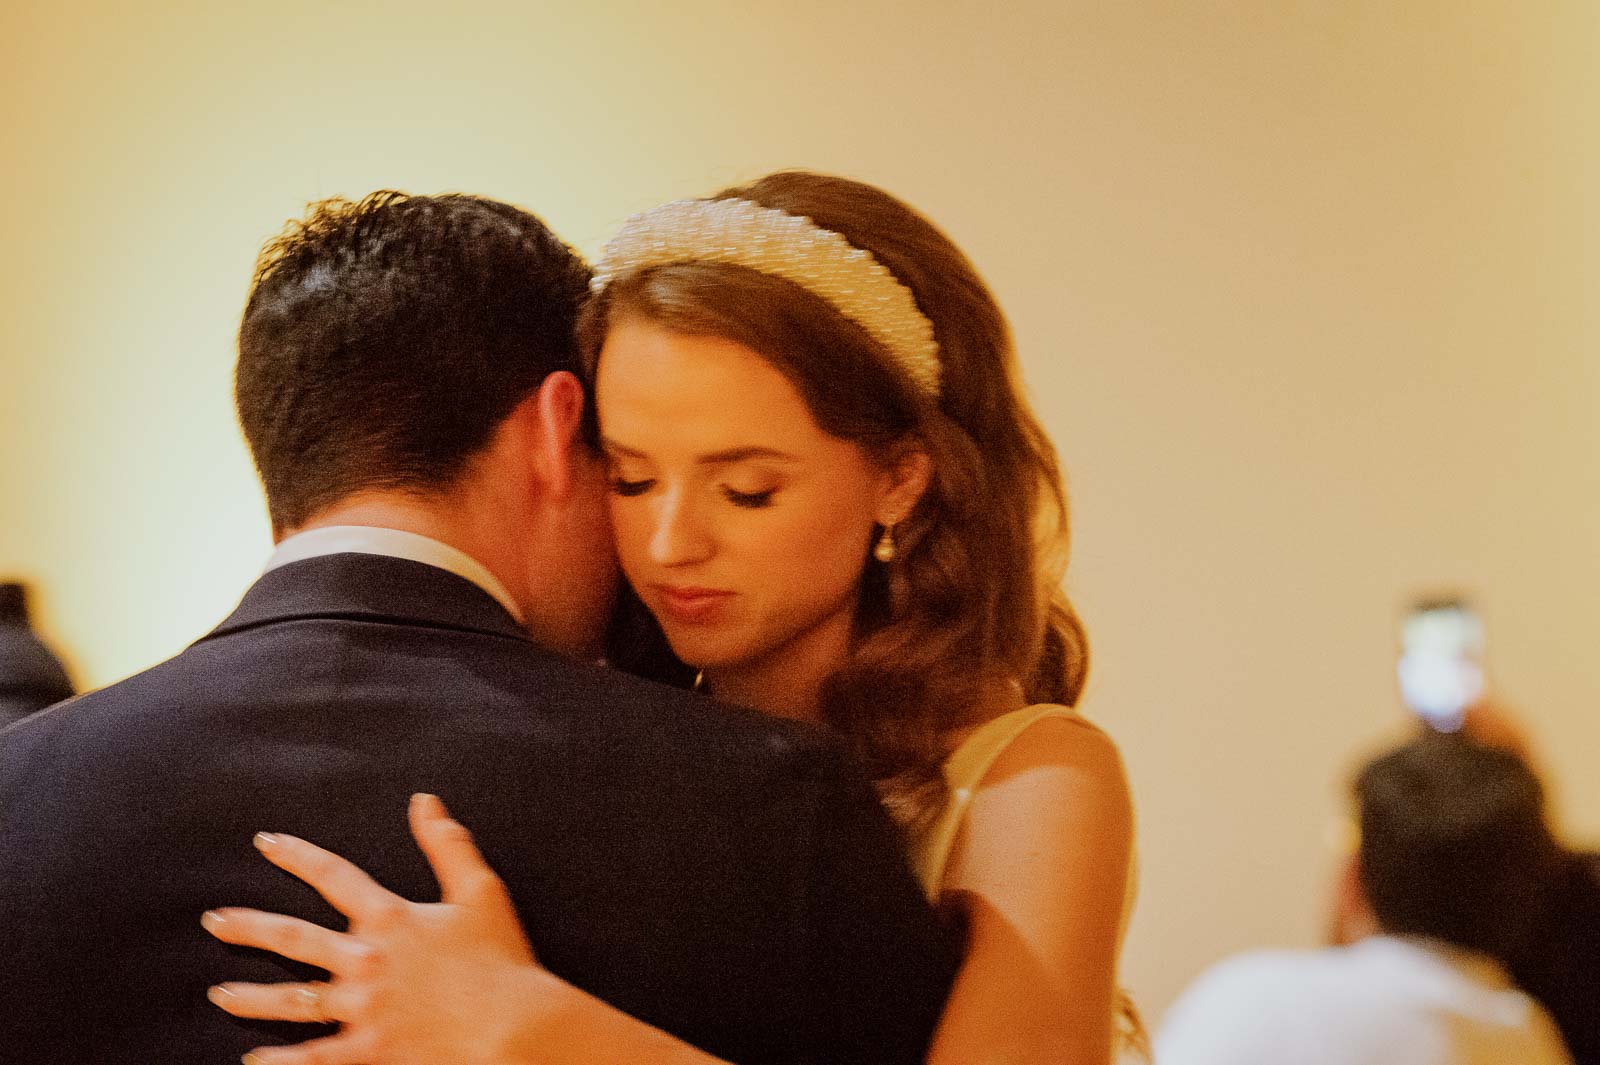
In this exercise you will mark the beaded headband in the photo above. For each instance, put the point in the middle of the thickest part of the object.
(792, 247)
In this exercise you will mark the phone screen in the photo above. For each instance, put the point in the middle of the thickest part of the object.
(1441, 661)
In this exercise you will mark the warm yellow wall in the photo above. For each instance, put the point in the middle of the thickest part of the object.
(1300, 288)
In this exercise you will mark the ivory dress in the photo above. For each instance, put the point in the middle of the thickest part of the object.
(964, 770)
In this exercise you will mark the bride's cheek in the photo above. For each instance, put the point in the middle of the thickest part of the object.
(630, 528)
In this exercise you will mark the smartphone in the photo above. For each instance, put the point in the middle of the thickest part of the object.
(1441, 660)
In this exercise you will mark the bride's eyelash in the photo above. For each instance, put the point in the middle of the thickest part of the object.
(630, 488)
(750, 500)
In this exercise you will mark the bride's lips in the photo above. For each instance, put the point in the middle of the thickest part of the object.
(691, 605)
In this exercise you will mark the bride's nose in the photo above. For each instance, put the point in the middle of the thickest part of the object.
(681, 536)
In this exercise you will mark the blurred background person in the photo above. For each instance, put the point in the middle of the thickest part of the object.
(1444, 682)
(1560, 964)
(31, 676)
(1448, 885)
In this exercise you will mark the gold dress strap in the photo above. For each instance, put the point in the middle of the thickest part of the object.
(964, 770)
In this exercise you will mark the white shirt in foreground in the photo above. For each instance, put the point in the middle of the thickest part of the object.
(1382, 1001)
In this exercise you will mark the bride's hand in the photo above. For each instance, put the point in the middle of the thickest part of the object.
(412, 982)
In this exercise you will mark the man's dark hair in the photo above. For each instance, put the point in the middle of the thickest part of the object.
(384, 341)
(1454, 844)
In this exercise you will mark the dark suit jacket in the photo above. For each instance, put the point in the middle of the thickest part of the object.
(720, 874)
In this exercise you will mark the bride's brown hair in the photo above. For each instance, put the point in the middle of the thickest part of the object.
(971, 607)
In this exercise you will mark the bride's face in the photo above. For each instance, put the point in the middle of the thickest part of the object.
(742, 525)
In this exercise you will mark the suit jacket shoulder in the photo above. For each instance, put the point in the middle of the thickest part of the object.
(725, 876)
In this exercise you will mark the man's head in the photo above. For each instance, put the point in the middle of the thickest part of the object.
(1454, 843)
(384, 342)
(417, 352)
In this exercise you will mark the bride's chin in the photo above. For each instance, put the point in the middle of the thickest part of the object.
(703, 660)
(709, 655)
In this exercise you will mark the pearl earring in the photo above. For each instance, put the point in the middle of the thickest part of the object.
(883, 551)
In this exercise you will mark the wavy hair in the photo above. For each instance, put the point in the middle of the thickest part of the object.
(384, 340)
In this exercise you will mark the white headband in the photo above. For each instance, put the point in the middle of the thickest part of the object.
(792, 247)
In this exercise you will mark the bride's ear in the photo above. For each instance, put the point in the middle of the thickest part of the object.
(906, 477)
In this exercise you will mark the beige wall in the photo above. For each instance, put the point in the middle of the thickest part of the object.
(1300, 289)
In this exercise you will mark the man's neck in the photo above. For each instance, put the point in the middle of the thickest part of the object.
(383, 511)
(438, 520)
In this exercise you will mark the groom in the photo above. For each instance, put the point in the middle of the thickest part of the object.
(407, 385)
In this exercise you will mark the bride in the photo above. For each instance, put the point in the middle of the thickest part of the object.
(836, 505)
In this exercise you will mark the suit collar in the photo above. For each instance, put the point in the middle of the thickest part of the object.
(396, 543)
(370, 587)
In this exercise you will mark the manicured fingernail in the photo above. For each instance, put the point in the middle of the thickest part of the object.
(264, 840)
(219, 994)
(432, 806)
(212, 920)
(252, 1058)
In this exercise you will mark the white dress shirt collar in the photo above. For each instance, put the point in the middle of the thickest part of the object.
(371, 540)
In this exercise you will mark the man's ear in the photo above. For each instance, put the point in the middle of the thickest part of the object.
(906, 478)
(557, 416)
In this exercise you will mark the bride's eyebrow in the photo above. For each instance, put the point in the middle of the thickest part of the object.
(611, 447)
(740, 454)
(714, 458)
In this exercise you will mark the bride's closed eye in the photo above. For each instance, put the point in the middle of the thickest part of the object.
(623, 487)
(749, 500)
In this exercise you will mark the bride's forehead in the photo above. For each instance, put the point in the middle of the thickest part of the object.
(697, 384)
(655, 357)
(712, 426)
(714, 434)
